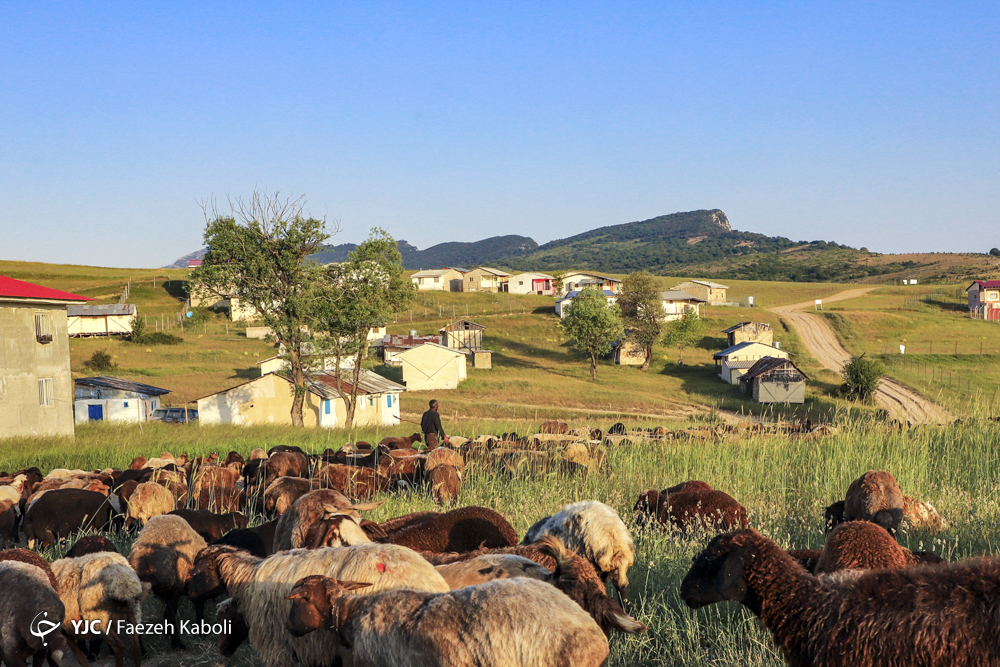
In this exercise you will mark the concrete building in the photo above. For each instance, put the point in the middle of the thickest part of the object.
(432, 366)
(114, 399)
(36, 386)
(485, 279)
(531, 283)
(268, 400)
(563, 304)
(574, 281)
(463, 335)
(627, 353)
(753, 332)
(734, 361)
(704, 289)
(448, 279)
(392, 345)
(678, 303)
(109, 320)
(775, 380)
(984, 298)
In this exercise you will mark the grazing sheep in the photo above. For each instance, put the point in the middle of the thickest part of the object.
(8, 522)
(101, 588)
(286, 464)
(62, 512)
(875, 497)
(459, 530)
(293, 526)
(687, 487)
(920, 515)
(26, 596)
(617, 429)
(234, 461)
(807, 558)
(334, 530)
(403, 465)
(597, 533)
(488, 567)
(860, 545)
(509, 623)
(554, 428)
(942, 616)
(209, 525)
(282, 492)
(709, 509)
(258, 540)
(353, 481)
(400, 443)
(648, 506)
(443, 455)
(259, 586)
(163, 556)
(90, 544)
(258, 454)
(219, 499)
(446, 484)
(148, 500)
(31, 558)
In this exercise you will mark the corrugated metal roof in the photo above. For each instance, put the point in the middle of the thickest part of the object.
(460, 325)
(369, 382)
(739, 346)
(408, 341)
(430, 273)
(741, 364)
(123, 385)
(742, 325)
(592, 275)
(986, 284)
(19, 289)
(766, 365)
(101, 311)
(708, 283)
(574, 293)
(679, 295)
(496, 272)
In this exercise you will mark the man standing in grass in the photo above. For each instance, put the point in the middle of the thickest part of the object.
(430, 424)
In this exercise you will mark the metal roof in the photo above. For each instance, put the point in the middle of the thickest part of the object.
(592, 275)
(101, 311)
(744, 363)
(742, 325)
(543, 276)
(123, 385)
(708, 283)
(391, 340)
(679, 295)
(440, 347)
(766, 365)
(496, 272)
(574, 293)
(986, 284)
(369, 382)
(739, 346)
(425, 273)
(471, 326)
(19, 289)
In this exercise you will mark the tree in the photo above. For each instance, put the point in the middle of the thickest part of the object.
(257, 253)
(681, 333)
(557, 281)
(861, 378)
(642, 312)
(592, 325)
(367, 291)
(995, 252)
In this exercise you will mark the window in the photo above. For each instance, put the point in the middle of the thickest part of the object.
(326, 406)
(420, 281)
(388, 400)
(437, 280)
(43, 330)
(45, 397)
(520, 282)
(125, 405)
(992, 296)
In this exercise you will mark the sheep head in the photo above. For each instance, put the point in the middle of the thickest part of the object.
(717, 573)
(205, 579)
(833, 515)
(313, 601)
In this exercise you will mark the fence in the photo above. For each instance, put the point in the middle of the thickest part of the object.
(985, 314)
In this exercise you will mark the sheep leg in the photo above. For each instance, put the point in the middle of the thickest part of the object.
(199, 609)
(136, 650)
(77, 653)
(117, 647)
(170, 615)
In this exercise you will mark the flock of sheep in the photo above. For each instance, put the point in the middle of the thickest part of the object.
(317, 584)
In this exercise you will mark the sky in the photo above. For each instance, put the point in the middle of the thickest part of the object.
(873, 124)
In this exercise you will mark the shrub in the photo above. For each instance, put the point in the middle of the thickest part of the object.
(995, 252)
(161, 338)
(861, 378)
(138, 330)
(100, 362)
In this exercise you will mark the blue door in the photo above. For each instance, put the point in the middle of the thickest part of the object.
(95, 413)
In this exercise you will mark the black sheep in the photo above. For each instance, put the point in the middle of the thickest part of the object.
(212, 526)
(59, 513)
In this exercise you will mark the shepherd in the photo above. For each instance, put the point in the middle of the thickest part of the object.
(430, 424)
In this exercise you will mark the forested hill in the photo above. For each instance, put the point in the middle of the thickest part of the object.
(496, 250)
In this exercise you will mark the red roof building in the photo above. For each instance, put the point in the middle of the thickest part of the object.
(984, 299)
(11, 288)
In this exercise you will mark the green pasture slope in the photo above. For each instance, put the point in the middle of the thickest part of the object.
(784, 483)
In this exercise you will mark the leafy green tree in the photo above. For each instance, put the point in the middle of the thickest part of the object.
(683, 332)
(592, 325)
(257, 253)
(642, 312)
(861, 378)
(995, 252)
(366, 292)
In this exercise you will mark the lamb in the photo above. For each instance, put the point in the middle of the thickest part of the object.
(259, 586)
(459, 530)
(239, 631)
(597, 533)
(923, 516)
(489, 567)
(293, 526)
(209, 525)
(27, 602)
(90, 544)
(446, 484)
(61, 512)
(945, 616)
(860, 545)
(875, 497)
(511, 622)
(148, 500)
(401, 443)
(163, 556)
(710, 509)
(103, 589)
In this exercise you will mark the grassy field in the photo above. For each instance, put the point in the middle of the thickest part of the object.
(784, 483)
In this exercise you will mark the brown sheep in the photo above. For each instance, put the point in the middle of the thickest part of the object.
(31, 558)
(861, 545)
(138, 463)
(209, 476)
(258, 453)
(353, 481)
(807, 558)
(293, 526)
(444, 456)
(148, 500)
(394, 442)
(943, 616)
(875, 497)
(490, 567)
(923, 516)
(403, 465)
(459, 530)
(710, 509)
(283, 492)
(90, 544)
(219, 499)
(234, 461)
(286, 464)
(687, 487)
(554, 428)
(334, 530)
(446, 484)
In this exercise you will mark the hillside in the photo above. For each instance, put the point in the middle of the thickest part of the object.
(496, 250)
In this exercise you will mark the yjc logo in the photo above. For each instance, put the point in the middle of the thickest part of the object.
(41, 628)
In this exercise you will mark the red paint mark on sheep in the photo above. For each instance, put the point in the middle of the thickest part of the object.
(380, 567)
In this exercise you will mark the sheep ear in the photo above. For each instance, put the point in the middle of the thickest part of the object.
(298, 594)
(730, 584)
(354, 585)
(364, 507)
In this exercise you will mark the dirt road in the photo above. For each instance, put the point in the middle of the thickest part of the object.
(900, 402)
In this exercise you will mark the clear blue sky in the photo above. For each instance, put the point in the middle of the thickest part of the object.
(872, 124)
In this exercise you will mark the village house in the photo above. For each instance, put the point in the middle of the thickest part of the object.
(268, 400)
(574, 281)
(108, 320)
(775, 380)
(393, 344)
(734, 361)
(753, 332)
(114, 399)
(711, 292)
(532, 283)
(485, 279)
(627, 352)
(448, 279)
(984, 298)
(463, 335)
(36, 385)
(432, 366)
(678, 303)
(562, 305)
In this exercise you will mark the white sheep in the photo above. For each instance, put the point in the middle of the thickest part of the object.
(259, 587)
(101, 588)
(506, 623)
(597, 533)
(488, 567)
(147, 501)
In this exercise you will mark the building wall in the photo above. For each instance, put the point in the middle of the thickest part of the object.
(629, 354)
(676, 310)
(749, 353)
(573, 281)
(478, 280)
(779, 392)
(711, 295)
(98, 325)
(116, 409)
(442, 283)
(463, 339)
(23, 362)
(765, 336)
(529, 283)
(429, 367)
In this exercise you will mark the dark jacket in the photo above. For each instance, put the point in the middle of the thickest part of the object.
(431, 423)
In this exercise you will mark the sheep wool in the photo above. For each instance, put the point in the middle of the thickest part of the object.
(100, 587)
(25, 594)
(488, 567)
(875, 497)
(860, 545)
